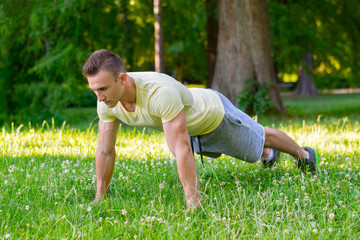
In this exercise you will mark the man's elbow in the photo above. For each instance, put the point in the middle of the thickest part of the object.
(103, 152)
(184, 152)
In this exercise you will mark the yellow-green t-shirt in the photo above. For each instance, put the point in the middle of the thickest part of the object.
(160, 98)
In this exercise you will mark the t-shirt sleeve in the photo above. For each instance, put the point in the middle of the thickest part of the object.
(104, 113)
(166, 103)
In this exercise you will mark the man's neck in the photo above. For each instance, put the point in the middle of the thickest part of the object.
(130, 90)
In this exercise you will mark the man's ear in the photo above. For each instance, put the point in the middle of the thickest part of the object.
(122, 77)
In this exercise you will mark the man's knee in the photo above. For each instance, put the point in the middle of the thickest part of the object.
(269, 136)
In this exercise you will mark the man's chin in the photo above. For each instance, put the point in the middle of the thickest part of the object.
(110, 104)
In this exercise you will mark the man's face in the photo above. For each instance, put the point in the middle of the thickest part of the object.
(106, 88)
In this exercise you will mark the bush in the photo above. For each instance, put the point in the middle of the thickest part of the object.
(254, 99)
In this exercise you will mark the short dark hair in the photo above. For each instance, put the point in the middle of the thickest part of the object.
(103, 60)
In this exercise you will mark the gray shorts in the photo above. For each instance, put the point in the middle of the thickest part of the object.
(238, 136)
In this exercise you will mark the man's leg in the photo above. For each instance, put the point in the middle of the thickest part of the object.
(307, 158)
(278, 140)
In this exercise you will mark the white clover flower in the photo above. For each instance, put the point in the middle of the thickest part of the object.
(315, 231)
(331, 215)
(100, 219)
(123, 212)
(81, 206)
(7, 236)
(297, 201)
(27, 208)
(331, 229)
(187, 218)
(88, 209)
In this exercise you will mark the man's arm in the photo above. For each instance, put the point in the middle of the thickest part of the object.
(105, 156)
(177, 139)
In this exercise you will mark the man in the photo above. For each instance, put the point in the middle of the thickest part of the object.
(155, 100)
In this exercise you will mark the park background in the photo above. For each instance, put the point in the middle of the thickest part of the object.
(280, 61)
(220, 45)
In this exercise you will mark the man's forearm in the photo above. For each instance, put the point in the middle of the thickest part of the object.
(189, 178)
(104, 170)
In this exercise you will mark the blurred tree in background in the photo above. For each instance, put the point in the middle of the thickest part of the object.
(327, 30)
(45, 43)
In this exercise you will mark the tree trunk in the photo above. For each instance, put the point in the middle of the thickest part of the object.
(305, 86)
(261, 50)
(234, 63)
(159, 46)
(212, 28)
(244, 49)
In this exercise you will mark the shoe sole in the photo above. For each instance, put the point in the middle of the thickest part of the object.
(317, 163)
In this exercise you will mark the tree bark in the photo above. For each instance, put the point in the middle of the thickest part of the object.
(261, 50)
(212, 28)
(159, 42)
(244, 49)
(234, 63)
(305, 86)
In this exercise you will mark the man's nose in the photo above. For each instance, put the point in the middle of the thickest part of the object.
(100, 97)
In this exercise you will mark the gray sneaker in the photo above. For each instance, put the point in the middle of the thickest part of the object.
(312, 164)
(270, 163)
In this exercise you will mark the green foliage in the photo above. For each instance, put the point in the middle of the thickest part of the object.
(45, 45)
(44, 50)
(185, 39)
(328, 29)
(254, 98)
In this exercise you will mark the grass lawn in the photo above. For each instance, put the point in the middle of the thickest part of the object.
(47, 180)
